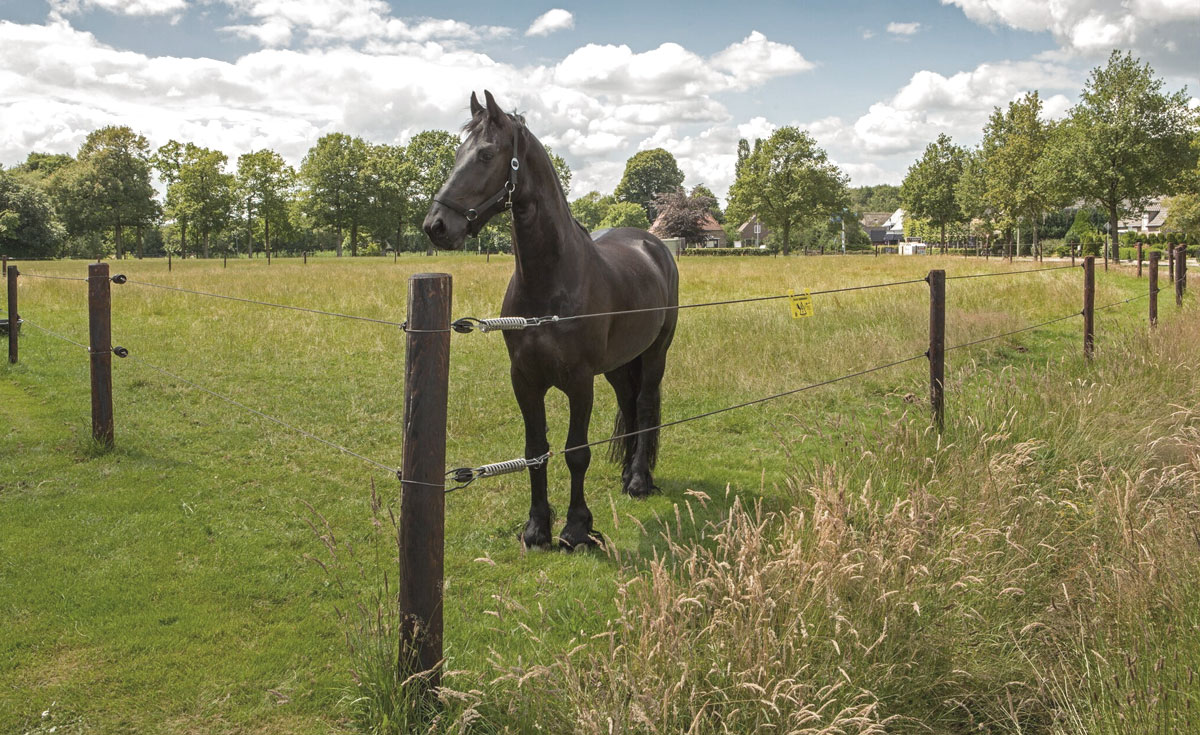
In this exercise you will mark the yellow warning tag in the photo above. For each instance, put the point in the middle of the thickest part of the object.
(801, 304)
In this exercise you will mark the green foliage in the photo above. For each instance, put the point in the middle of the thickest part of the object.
(878, 198)
(625, 214)
(591, 209)
(333, 171)
(788, 181)
(431, 155)
(28, 228)
(561, 170)
(1126, 141)
(733, 252)
(107, 187)
(683, 215)
(1021, 167)
(1081, 228)
(267, 183)
(928, 191)
(648, 174)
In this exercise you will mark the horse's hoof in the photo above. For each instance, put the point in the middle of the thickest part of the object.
(536, 534)
(639, 486)
(574, 536)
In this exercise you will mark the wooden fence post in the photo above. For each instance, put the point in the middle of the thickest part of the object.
(4, 267)
(1180, 256)
(14, 317)
(937, 346)
(1154, 287)
(1139, 259)
(100, 347)
(305, 257)
(224, 260)
(422, 499)
(168, 262)
(1089, 305)
(1171, 266)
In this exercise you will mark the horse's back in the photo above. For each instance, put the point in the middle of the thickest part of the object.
(630, 251)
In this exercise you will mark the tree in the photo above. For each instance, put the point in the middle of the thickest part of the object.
(625, 214)
(682, 215)
(431, 154)
(1183, 210)
(715, 207)
(332, 170)
(1021, 166)
(108, 185)
(787, 181)
(389, 177)
(28, 228)
(971, 195)
(591, 209)
(168, 159)
(928, 191)
(561, 169)
(266, 183)
(1126, 141)
(203, 192)
(878, 198)
(648, 174)
(39, 167)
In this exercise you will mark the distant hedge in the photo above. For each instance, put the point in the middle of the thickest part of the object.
(726, 251)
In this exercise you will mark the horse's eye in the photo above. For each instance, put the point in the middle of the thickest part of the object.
(486, 156)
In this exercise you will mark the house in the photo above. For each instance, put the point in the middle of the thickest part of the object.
(894, 228)
(873, 223)
(747, 234)
(712, 234)
(1151, 219)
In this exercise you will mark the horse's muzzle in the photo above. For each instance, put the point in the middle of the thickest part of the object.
(445, 229)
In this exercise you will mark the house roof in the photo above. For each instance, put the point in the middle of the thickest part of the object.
(875, 219)
(747, 229)
(1153, 217)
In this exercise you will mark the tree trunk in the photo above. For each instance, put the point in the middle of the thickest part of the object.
(354, 240)
(207, 242)
(1112, 230)
(267, 235)
(339, 241)
(117, 240)
(1037, 246)
(787, 233)
(182, 235)
(141, 241)
(943, 238)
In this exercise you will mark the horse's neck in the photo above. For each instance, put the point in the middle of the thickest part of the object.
(548, 244)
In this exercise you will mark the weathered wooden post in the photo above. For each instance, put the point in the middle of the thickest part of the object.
(1171, 265)
(305, 257)
(100, 347)
(224, 260)
(168, 262)
(4, 266)
(14, 317)
(1139, 258)
(937, 346)
(1180, 274)
(1154, 287)
(1089, 305)
(422, 499)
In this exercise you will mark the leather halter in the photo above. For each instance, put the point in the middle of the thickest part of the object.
(504, 195)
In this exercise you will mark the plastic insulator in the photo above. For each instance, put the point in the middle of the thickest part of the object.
(462, 475)
(119, 279)
(120, 352)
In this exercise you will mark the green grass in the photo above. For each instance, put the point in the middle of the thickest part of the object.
(167, 585)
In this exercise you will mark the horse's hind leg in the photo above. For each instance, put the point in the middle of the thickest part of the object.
(625, 381)
(649, 404)
(532, 400)
(578, 530)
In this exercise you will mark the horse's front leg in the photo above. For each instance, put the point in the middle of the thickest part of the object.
(532, 401)
(578, 530)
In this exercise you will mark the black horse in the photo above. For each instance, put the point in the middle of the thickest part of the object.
(562, 270)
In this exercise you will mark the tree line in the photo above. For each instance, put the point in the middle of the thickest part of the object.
(1125, 143)
(346, 194)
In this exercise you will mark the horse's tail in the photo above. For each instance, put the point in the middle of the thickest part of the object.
(621, 450)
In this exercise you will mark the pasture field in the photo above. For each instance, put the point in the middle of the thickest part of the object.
(818, 561)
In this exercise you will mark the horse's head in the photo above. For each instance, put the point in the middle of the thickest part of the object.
(483, 179)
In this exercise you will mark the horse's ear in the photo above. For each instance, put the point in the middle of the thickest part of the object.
(493, 109)
(476, 108)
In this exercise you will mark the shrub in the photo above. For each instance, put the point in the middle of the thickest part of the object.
(728, 251)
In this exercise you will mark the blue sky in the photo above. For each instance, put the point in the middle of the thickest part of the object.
(873, 81)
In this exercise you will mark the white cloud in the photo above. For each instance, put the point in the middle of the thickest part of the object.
(551, 21)
(1164, 31)
(276, 22)
(595, 107)
(124, 7)
(903, 29)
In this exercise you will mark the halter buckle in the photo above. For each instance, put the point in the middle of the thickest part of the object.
(515, 163)
(471, 215)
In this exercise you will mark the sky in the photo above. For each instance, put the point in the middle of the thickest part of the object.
(873, 81)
